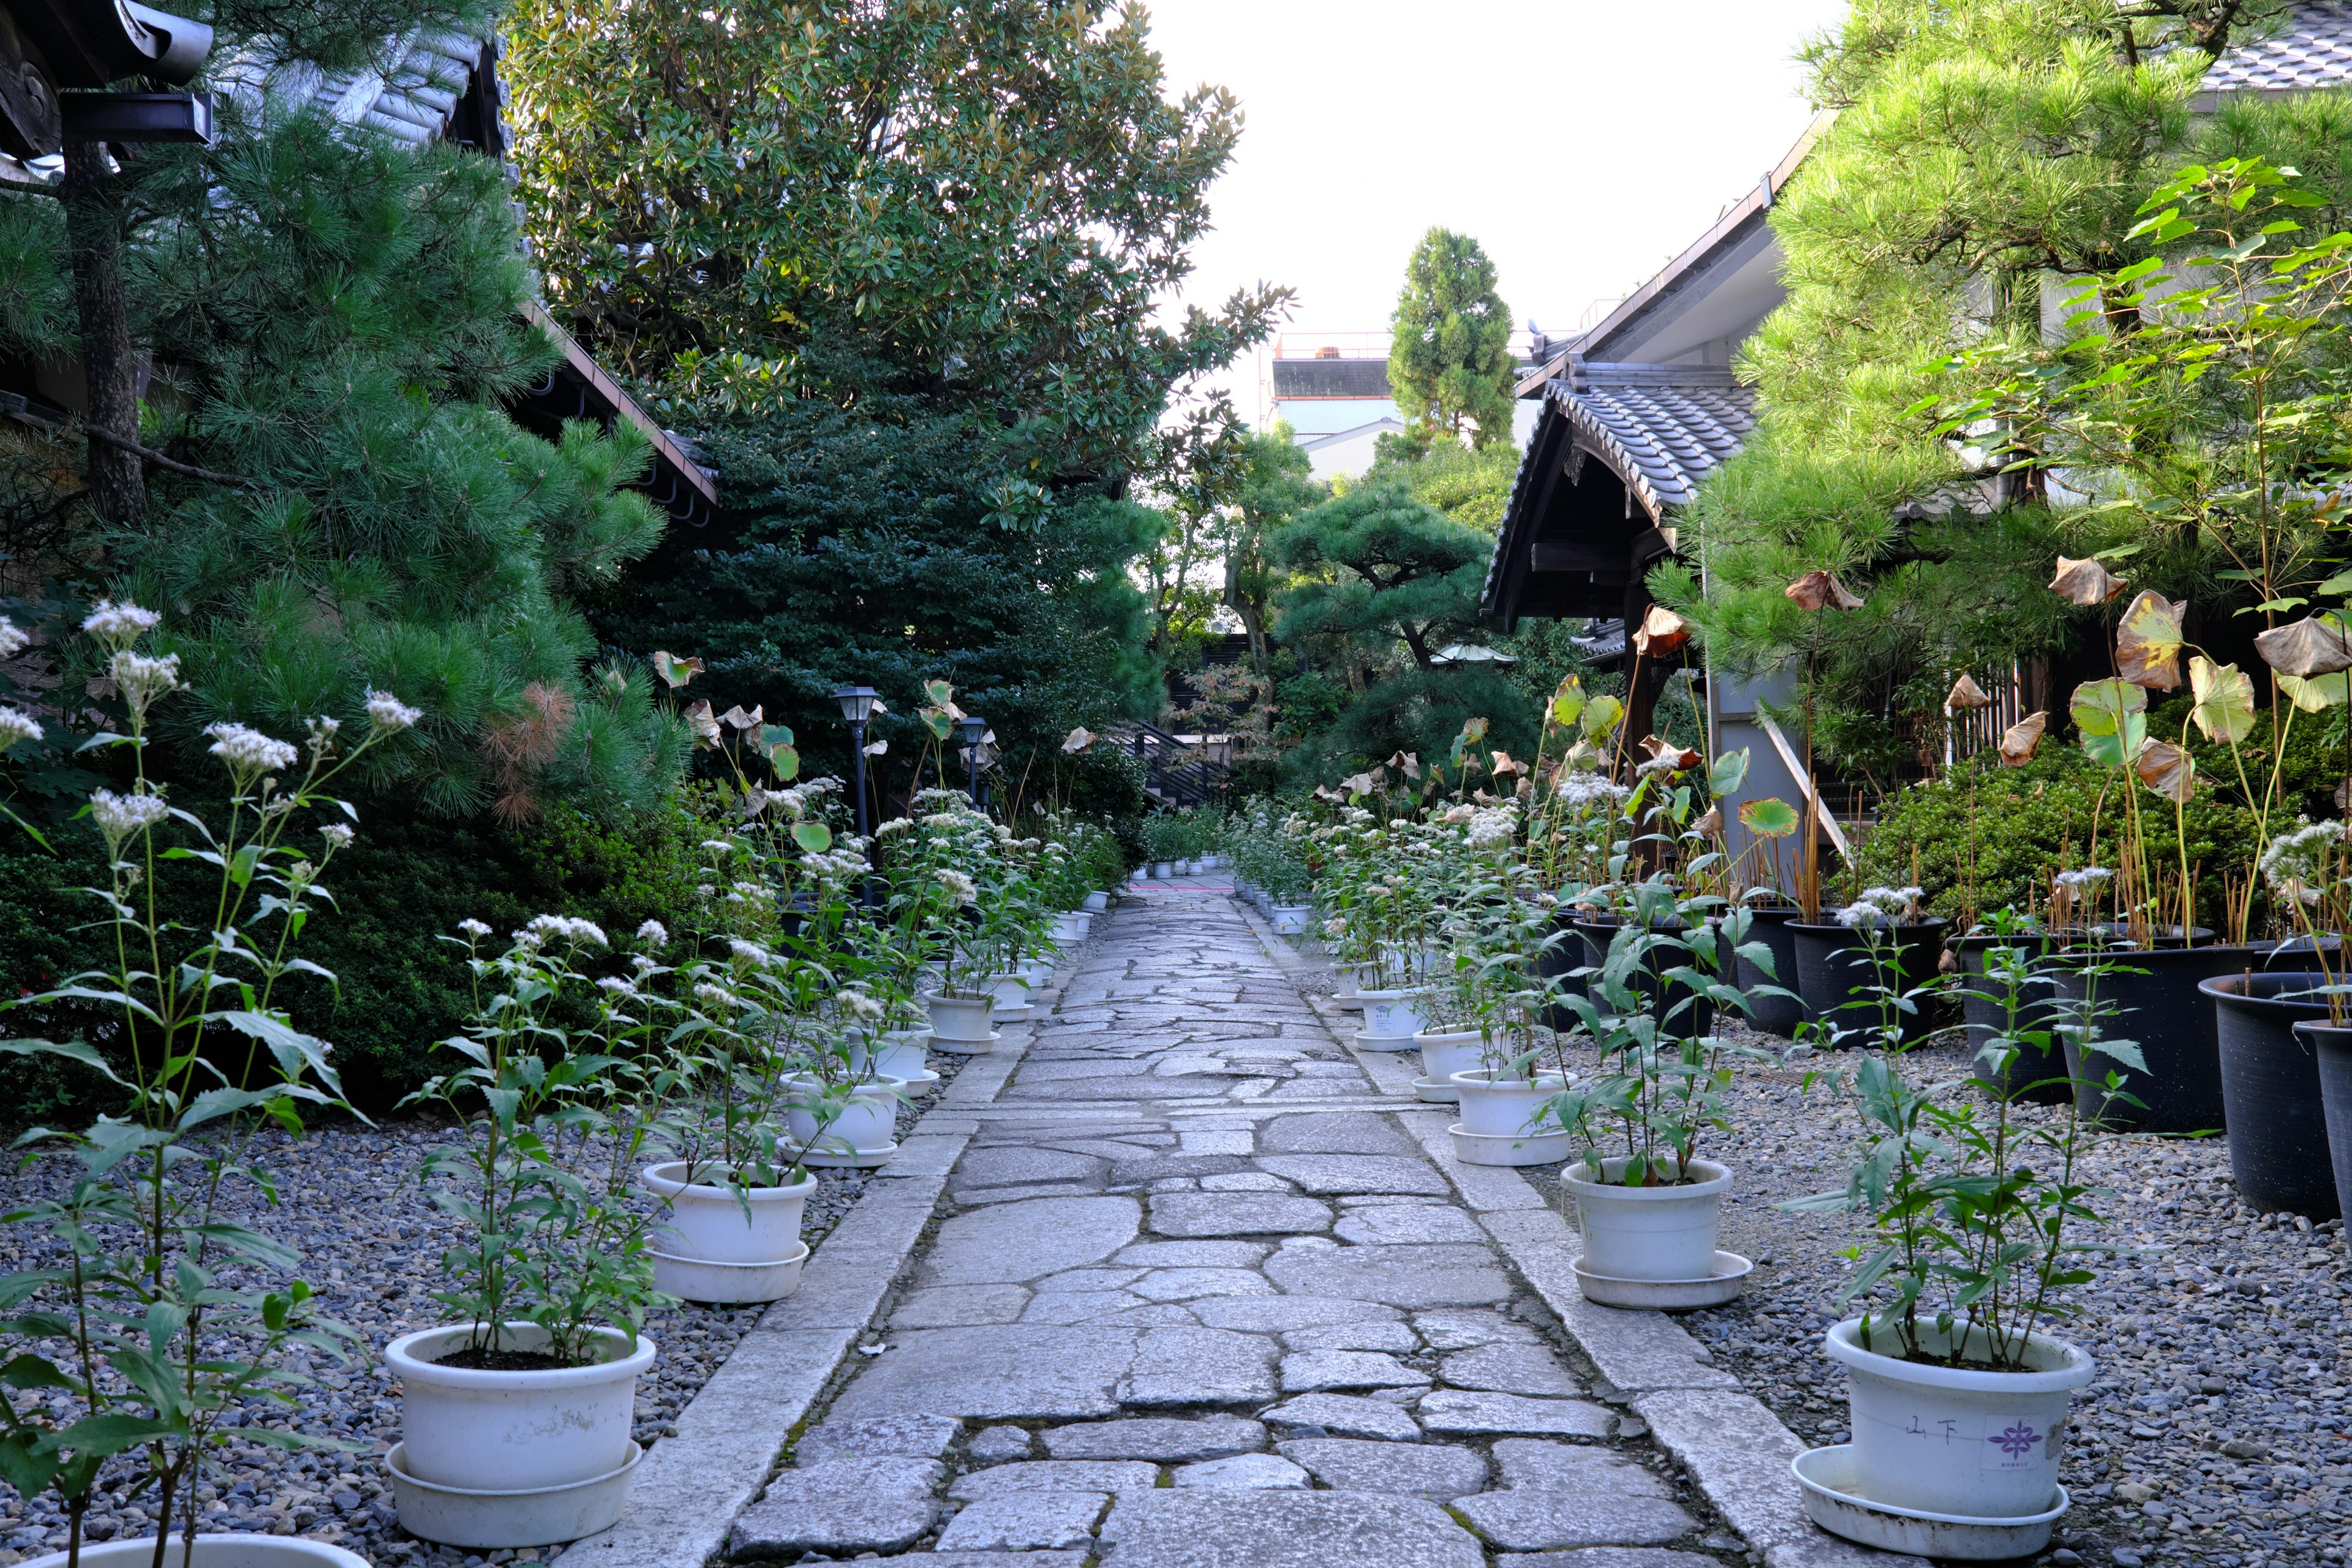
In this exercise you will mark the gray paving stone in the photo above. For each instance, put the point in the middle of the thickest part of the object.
(1305, 1372)
(1510, 1369)
(1259, 1472)
(1457, 1410)
(1194, 1254)
(1009, 1243)
(976, 1198)
(1168, 1440)
(1332, 1132)
(1397, 1276)
(912, 1435)
(1188, 1215)
(1396, 1338)
(1345, 1415)
(1568, 1467)
(1024, 1521)
(1087, 1280)
(1012, 1167)
(1738, 1453)
(1277, 1314)
(994, 1372)
(1531, 1519)
(1034, 1475)
(994, 1445)
(1334, 1173)
(844, 1506)
(1460, 1330)
(959, 1305)
(1430, 1471)
(1245, 1182)
(1592, 1557)
(1152, 1168)
(1190, 1284)
(1218, 1527)
(992, 1560)
(1390, 1224)
(1199, 1366)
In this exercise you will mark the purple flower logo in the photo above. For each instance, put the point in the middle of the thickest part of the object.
(2017, 1440)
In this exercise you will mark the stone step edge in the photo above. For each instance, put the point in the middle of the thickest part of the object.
(731, 1437)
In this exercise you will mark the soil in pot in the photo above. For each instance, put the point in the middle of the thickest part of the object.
(1834, 969)
(1769, 1011)
(2041, 1076)
(2157, 1007)
(2271, 1093)
(2332, 1045)
(485, 1360)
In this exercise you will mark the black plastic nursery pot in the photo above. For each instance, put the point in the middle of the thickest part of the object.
(1834, 968)
(1558, 960)
(2041, 1077)
(2157, 1007)
(2271, 1093)
(2332, 1044)
(1697, 1018)
(1769, 1011)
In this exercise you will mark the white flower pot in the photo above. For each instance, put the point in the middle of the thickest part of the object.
(712, 1249)
(1448, 1052)
(865, 1123)
(513, 1458)
(1011, 993)
(1072, 927)
(1505, 1109)
(1037, 972)
(1290, 919)
(1649, 1233)
(962, 1024)
(1096, 903)
(224, 1551)
(1391, 1014)
(1165, 870)
(1945, 1440)
(905, 1053)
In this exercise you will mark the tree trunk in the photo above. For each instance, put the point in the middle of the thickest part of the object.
(109, 368)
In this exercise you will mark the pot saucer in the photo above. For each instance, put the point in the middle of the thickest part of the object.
(461, 1516)
(968, 1048)
(1504, 1149)
(1004, 1014)
(1826, 1475)
(1437, 1091)
(1729, 1278)
(848, 1159)
(912, 1079)
(1364, 1042)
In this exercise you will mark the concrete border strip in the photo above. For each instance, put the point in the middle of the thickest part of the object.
(732, 1432)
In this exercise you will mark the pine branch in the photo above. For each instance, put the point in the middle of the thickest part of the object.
(17, 407)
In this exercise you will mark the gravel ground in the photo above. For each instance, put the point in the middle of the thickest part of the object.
(349, 1201)
(2217, 1430)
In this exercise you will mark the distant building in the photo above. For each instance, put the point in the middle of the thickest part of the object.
(1332, 390)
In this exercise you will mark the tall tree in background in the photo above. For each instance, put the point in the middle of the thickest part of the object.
(1449, 357)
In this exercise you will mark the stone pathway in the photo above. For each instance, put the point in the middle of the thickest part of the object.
(1201, 1298)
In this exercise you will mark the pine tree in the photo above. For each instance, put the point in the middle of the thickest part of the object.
(1450, 363)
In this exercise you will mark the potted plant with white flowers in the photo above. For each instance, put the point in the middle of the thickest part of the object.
(127, 1324)
(515, 1416)
(1959, 1388)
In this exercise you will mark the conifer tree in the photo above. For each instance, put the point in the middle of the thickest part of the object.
(1449, 358)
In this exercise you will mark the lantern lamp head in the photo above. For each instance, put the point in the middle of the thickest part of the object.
(856, 703)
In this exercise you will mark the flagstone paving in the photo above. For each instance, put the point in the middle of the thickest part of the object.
(1198, 1299)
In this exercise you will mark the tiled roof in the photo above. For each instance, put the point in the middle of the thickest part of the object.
(2312, 49)
(1661, 427)
(414, 100)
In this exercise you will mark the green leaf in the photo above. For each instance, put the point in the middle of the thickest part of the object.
(1771, 817)
(813, 837)
(2224, 710)
(72, 1050)
(2317, 693)
(2111, 716)
(1730, 772)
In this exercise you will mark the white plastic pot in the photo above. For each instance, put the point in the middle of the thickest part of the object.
(1010, 996)
(1448, 1052)
(865, 1123)
(1391, 1015)
(1949, 1440)
(1290, 919)
(527, 1457)
(1096, 903)
(1165, 870)
(1649, 1233)
(1072, 926)
(1504, 1107)
(1035, 971)
(708, 1220)
(224, 1551)
(961, 1023)
(905, 1053)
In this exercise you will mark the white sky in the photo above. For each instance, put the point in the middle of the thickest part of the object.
(1582, 141)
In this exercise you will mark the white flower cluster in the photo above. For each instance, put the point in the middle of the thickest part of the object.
(858, 1005)
(652, 933)
(142, 679)
(16, 725)
(386, 711)
(961, 887)
(567, 927)
(120, 624)
(714, 995)
(748, 952)
(247, 751)
(338, 834)
(1580, 788)
(1880, 906)
(615, 984)
(2087, 876)
(834, 867)
(13, 638)
(119, 815)
(1492, 826)
(2304, 863)
(895, 826)
(474, 929)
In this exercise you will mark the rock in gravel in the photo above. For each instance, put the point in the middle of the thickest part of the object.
(841, 1506)
(1168, 1441)
(1262, 1472)
(1416, 1470)
(1055, 1475)
(1345, 1415)
(900, 1436)
(1214, 1527)
(1454, 1410)
(1024, 1521)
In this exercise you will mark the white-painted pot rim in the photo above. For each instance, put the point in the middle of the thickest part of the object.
(1713, 1179)
(2075, 1366)
(1548, 1079)
(667, 1180)
(401, 1355)
(1443, 1036)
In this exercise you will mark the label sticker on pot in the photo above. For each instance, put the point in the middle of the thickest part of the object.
(2013, 1443)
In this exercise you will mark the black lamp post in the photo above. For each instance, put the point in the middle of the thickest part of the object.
(857, 705)
(969, 729)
